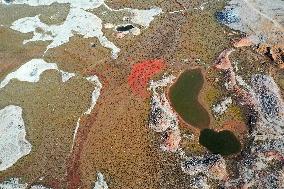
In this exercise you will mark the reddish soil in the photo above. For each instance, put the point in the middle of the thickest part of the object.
(243, 42)
(141, 74)
(223, 62)
(235, 126)
(73, 171)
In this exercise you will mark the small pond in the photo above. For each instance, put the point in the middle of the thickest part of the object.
(183, 95)
(223, 142)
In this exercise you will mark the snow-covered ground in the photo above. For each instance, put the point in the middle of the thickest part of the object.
(31, 71)
(79, 21)
(13, 142)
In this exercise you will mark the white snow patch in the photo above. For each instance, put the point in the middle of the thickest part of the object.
(39, 187)
(13, 144)
(78, 21)
(144, 17)
(222, 106)
(100, 183)
(14, 183)
(96, 92)
(66, 75)
(31, 72)
(83, 4)
(95, 95)
(140, 17)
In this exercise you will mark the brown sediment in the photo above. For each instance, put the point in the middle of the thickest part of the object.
(114, 139)
(73, 168)
(180, 4)
(197, 34)
(119, 142)
(70, 58)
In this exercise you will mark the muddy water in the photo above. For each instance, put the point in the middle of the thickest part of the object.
(184, 98)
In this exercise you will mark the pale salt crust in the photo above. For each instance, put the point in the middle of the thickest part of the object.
(78, 21)
(221, 107)
(13, 144)
(32, 70)
(100, 183)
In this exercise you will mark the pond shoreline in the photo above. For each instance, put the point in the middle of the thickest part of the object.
(200, 97)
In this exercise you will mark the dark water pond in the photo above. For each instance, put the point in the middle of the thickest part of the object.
(183, 95)
(223, 142)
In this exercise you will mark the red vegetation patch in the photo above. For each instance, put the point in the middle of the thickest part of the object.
(141, 74)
